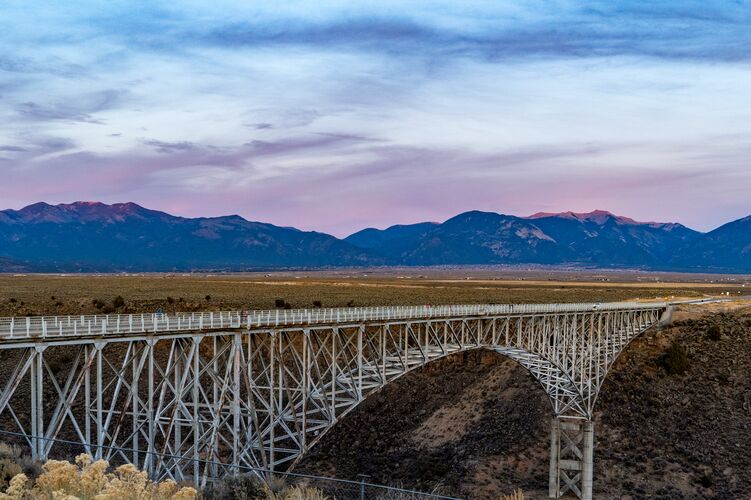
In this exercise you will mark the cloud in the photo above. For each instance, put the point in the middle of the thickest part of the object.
(170, 147)
(34, 111)
(80, 110)
(51, 145)
(41, 64)
(672, 31)
(358, 183)
(303, 144)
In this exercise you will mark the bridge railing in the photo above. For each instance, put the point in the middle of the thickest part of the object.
(117, 324)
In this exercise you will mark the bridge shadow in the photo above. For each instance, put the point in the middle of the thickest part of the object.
(474, 423)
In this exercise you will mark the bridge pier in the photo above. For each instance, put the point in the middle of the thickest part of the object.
(667, 316)
(37, 404)
(571, 457)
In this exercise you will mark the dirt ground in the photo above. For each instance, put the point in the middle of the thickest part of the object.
(22, 295)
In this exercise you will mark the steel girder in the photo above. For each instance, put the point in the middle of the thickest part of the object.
(200, 404)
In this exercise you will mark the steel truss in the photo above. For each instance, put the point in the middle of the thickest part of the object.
(173, 401)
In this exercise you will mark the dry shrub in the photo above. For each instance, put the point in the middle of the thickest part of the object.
(274, 486)
(399, 495)
(13, 461)
(244, 487)
(89, 480)
(8, 470)
(402, 494)
(675, 360)
(516, 495)
(297, 493)
(714, 332)
(7, 451)
(250, 487)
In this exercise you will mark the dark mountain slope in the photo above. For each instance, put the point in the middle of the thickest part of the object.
(127, 237)
(603, 239)
(8, 266)
(727, 248)
(98, 237)
(482, 238)
(390, 241)
(597, 238)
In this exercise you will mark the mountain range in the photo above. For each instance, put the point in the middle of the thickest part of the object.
(92, 236)
(85, 236)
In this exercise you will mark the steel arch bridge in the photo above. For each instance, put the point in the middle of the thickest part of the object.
(178, 394)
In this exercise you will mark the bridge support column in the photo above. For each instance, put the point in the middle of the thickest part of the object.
(588, 434)
(667, 316)
(555, 442)
(571, 458)
(38, 444)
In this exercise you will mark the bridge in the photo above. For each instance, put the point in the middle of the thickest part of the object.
(193, 396)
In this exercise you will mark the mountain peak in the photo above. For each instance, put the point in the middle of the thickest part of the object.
(476, 215)
(85, 204)
(596, 216)
(80, 211)
(98, 205)
(41, 212)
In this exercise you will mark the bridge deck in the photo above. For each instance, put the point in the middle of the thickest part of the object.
(164, 391)
(56, 327)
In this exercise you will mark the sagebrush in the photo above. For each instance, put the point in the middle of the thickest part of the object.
(87, 479)
(516, 495)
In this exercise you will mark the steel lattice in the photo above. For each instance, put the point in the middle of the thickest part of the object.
(169, 393)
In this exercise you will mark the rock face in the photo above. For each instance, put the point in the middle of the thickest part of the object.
(476, 425)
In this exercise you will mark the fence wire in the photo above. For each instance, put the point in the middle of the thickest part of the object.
(212, 473)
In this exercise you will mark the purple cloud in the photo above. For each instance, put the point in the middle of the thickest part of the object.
(370, 184)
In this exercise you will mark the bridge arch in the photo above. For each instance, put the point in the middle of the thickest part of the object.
(180, 395)
(438, 400)
(541, 370)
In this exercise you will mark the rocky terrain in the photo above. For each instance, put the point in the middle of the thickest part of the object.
(475, 425)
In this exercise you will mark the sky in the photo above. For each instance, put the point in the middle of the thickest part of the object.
(335, 116)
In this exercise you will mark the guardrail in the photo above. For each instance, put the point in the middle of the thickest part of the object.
(115, 324)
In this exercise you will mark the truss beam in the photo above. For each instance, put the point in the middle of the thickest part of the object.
(219, 388)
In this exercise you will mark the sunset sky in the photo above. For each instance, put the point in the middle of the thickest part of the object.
(336, 116)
